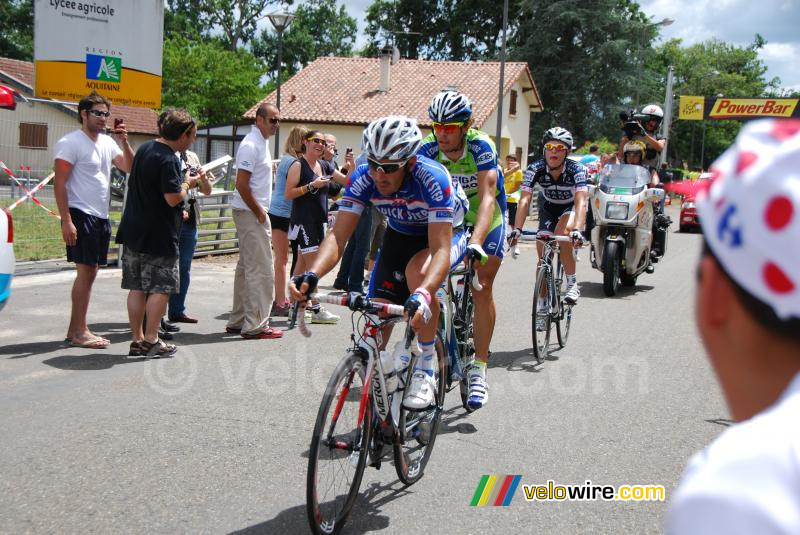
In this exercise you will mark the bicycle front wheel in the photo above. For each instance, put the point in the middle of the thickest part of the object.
(540, 316)
(339, 446)
(464, 323)
(414, 441)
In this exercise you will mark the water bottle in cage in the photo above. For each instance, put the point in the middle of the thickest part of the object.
(390, 374)
(458, 290)
(401, 358)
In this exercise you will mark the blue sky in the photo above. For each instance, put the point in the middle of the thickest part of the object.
(733, 21)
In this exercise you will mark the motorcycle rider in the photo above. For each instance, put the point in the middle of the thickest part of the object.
(647, 122)
(634, 154)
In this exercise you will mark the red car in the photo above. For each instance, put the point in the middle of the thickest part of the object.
(688, 219)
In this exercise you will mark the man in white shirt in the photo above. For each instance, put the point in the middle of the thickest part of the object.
(748, 313)
(82, 167)
(254, 283)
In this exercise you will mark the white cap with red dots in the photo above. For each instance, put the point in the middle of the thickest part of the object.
(751, 213)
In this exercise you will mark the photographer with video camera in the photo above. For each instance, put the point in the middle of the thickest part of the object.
(642, 127)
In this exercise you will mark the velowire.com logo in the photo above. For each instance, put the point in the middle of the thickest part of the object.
(495, 490)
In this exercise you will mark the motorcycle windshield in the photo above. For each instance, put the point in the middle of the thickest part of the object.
(623, 179)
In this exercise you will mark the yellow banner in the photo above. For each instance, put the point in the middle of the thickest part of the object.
(64, 80)
(691, 108)
(741, 108)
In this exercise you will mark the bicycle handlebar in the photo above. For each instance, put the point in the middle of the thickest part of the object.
(358, 303)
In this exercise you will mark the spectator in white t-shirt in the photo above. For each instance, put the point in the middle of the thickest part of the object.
(748, 313)
(82, 167)
(254, 282)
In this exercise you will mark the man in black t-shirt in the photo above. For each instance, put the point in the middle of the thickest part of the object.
(149, 230)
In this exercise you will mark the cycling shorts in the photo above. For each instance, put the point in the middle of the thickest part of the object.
(388, 278)
(550, 213)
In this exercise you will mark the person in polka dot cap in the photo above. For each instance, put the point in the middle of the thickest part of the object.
(748, 315)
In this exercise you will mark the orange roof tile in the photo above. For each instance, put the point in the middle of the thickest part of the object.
(137, 120)
(345, 90)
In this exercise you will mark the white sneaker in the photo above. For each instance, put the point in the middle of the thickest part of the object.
(323, 316)
(421, 391)
(478, 391)
(573, 293)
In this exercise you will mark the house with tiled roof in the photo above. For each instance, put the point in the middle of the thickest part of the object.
(341, 96)
(29, 133)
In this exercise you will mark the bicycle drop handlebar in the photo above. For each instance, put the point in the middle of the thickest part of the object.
(355, 302)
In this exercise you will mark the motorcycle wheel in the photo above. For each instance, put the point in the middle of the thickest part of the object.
(611, 268)
(629, 280)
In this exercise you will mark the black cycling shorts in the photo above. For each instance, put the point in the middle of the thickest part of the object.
(550, 213)
(388, 279)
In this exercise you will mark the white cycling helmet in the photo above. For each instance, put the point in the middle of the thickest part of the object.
(750, 215)
(653, 111)
(559, 134)
(450, 107)
(395, 138)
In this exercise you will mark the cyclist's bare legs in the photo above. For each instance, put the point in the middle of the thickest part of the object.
(567, 256)
(485, 311)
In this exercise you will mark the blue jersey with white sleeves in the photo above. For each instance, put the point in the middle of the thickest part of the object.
(426, 196)
(561, 191)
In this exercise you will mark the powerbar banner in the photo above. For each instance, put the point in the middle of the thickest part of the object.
(694, 108)
(112, 46)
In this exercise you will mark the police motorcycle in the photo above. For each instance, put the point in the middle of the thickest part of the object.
(622, 237)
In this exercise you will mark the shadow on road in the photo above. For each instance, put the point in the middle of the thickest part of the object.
(514, 361)
(365, 516)
(116, 332)
(95, 361)
(594, 290)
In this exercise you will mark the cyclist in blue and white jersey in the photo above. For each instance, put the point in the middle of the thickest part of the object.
(424, 241)
(563, 212)
(471, 158)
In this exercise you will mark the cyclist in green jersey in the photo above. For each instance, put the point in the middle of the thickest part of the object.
(470, 157)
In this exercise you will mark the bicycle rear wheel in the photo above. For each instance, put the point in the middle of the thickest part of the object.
(338, 453)
(463, 322)
(413, 443)
(540, 333)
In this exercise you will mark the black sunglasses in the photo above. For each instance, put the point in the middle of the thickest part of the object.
(385, 167)
(98, 113)
(274, 120)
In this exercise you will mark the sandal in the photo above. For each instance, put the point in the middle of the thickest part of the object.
(94, 343)
(135, 349)
(157, 349)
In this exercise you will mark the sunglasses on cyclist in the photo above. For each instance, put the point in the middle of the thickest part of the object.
(446, 128)
(98, 113)
(385, 167)
(558, 147)
(318, 141)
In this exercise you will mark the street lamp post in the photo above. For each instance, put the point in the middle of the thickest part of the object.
(664, 22)
(280, 21)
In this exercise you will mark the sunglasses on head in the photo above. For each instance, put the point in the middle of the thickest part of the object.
(274, 120)
(318, 141)
(98, 113)
(385, 167)
(447, 128)
(558, 147)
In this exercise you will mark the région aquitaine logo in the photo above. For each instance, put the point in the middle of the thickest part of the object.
(103, 68)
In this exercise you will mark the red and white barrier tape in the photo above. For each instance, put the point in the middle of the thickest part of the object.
(29, 194)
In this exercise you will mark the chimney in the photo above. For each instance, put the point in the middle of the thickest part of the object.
(386, 60)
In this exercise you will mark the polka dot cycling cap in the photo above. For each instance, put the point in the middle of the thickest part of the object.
(751, 213)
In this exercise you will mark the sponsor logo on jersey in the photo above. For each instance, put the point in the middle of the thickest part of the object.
(442, 214)
(358, 186)
(486, 157)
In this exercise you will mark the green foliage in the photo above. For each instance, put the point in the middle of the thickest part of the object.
(319, 28)
(214, 84)
(604, 145)
(440, 29)
(712, 68)
(16, 29)
(583, 57)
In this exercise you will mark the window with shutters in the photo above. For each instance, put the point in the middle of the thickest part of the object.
(33, 135)
(512, 104)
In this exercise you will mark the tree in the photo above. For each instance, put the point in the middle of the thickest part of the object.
(583, 57)
(236, 18)
(712, 68)
(16, 29)
(182, 18)
(318, 29)
(214, 84)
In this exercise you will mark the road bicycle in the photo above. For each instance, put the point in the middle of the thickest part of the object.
(459, 338)
(549, 281)
(359, 414)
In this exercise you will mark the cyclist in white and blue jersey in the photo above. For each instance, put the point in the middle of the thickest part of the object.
(563, 211)
(424, 241)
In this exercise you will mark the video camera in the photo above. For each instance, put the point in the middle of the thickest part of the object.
(632, 123)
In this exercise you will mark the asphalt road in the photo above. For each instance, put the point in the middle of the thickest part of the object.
(215, 440)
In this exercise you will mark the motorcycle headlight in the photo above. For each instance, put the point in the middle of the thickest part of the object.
(617, 210)
(687, 205)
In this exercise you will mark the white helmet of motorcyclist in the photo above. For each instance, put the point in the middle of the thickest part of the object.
(653, 111)
(634, 147)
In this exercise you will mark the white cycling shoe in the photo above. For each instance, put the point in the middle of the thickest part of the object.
(421, 391)
(572, 295)
(478, 392)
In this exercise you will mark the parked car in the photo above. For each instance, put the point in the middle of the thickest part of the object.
(688, 219)
(7, 259)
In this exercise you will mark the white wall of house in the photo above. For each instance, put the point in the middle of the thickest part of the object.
(514, 130)
(59, 123)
